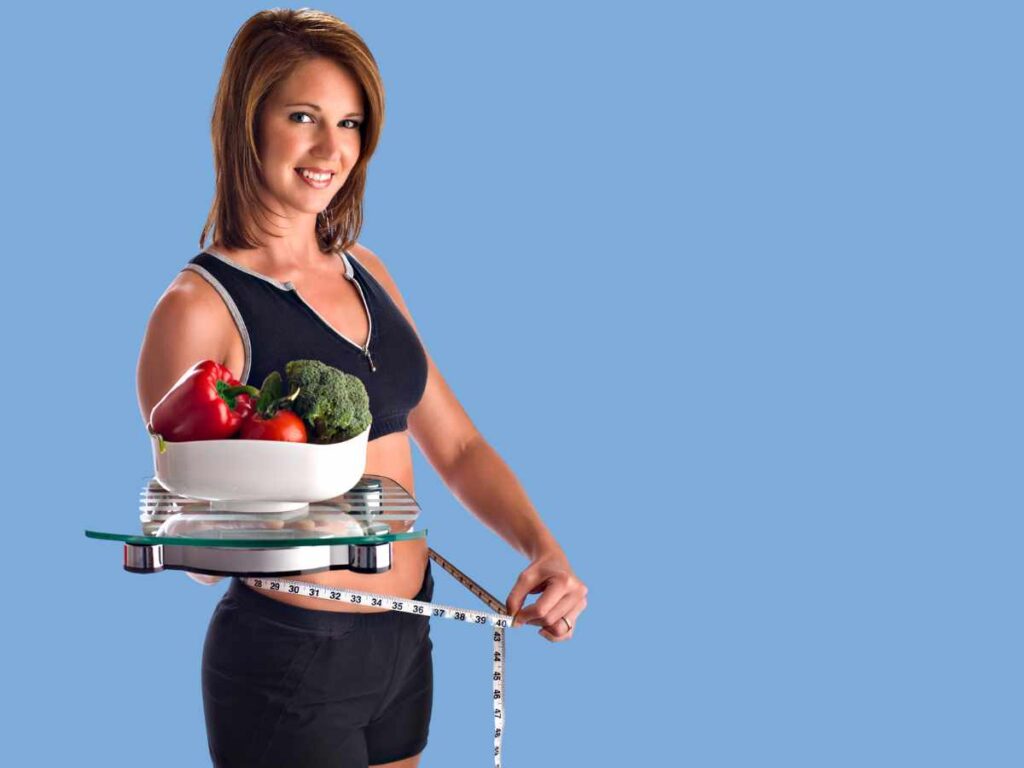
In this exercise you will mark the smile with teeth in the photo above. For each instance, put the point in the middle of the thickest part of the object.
(316, 180)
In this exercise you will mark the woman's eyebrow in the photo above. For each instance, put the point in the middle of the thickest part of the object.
(317, 108)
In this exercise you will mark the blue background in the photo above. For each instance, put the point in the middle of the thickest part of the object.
(734, 288)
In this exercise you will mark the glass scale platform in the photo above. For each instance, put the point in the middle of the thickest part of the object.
(352, 531)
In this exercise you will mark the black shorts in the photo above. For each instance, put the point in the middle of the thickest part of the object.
(288, 686)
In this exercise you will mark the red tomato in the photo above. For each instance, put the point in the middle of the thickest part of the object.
(285, 425)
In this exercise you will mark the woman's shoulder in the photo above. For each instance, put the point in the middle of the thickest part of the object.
(190, 322)
(373, 264)
(366, 257)
(193, 288)
(191, 294)
(376, 268)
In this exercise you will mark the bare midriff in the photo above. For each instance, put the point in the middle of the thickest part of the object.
(390, 456)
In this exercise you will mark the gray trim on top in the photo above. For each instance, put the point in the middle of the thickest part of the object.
(277, 284)
(235, 314)
(350, 273)
(289, 286)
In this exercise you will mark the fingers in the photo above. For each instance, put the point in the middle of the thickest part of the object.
(560, 632)
(542, 611)
(564, 596)
(203, 578)
(546, 612)
(525, 585)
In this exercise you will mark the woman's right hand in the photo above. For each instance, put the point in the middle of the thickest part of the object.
(203, 578)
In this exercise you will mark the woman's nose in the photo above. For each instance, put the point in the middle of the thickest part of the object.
(329, 145)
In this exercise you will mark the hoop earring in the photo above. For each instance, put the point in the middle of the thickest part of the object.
(329, 225)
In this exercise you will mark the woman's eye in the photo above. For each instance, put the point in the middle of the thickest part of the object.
(354, 123)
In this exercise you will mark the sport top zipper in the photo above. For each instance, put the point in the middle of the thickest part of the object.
(369, 320)
(369, 329)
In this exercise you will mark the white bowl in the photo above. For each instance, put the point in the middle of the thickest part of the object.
(260, 475)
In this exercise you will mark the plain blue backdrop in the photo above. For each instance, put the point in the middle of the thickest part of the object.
(734, 288)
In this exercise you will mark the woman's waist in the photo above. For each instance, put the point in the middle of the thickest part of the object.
(406, 578)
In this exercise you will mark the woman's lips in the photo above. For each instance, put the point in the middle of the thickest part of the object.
(315, 184)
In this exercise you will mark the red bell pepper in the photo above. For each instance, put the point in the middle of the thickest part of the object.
(206, 403)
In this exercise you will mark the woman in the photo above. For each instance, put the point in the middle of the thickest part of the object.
(291, 680)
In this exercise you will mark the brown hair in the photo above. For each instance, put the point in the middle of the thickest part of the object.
(264, 52)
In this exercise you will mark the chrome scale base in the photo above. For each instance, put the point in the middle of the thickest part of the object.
(361, 558)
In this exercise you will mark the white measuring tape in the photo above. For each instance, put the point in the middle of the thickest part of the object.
(499, 621)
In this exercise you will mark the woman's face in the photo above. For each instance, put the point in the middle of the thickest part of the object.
(312, 120)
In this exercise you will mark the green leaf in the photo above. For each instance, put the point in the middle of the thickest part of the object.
(269, 392)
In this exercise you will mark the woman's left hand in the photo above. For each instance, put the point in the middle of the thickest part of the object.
(563, 600)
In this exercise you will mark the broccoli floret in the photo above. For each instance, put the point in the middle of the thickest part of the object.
(334, 404)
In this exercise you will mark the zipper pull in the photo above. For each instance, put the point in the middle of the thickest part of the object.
(369, 359)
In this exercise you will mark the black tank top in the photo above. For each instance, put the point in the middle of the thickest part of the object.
(277, 325)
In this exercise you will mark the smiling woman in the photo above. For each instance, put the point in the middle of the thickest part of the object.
(287, 65)
(289, 679)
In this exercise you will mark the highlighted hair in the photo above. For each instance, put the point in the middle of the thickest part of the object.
(264, 52)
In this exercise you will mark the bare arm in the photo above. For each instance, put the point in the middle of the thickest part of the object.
(485, 485)
(187, 325)
(470, 467)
